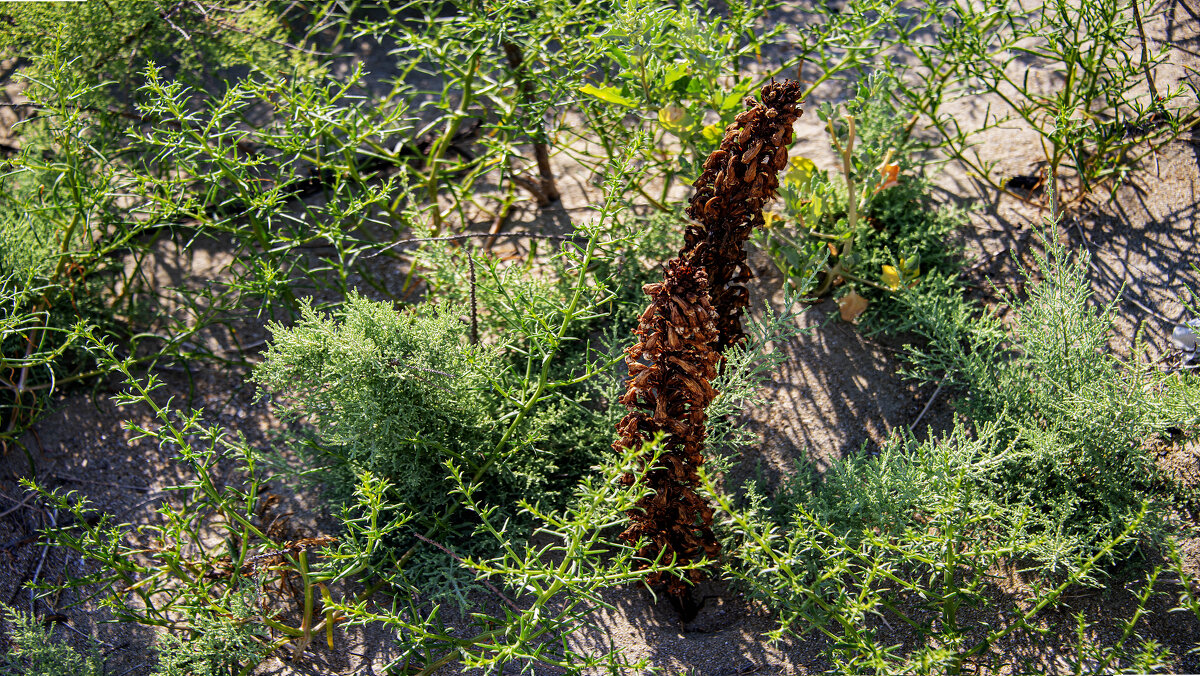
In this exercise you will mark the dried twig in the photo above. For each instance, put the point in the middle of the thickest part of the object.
(19, 505)
(78, 480)
(929, 403)
(487, 584)
(474, 305)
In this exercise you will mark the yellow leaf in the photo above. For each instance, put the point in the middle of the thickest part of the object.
(609, 94)
(770, 217)
(891, 277)
(851, 306)
(890, 174)
(674, 119)
(800, 169)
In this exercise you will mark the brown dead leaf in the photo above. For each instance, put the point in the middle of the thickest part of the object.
(851, 305)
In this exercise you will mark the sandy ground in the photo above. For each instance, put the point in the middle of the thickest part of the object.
(838, 392)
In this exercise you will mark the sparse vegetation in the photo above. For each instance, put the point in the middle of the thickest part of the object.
(373, 194)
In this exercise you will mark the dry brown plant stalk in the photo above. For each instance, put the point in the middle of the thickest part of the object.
(669, 390)
(694, 314)
(738, 179)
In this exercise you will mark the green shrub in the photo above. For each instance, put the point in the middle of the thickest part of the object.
(213, 646)
(111, 42)
(1047, 471)
(34, 653)
(904, 541)
(393, 393)
(1073, 420)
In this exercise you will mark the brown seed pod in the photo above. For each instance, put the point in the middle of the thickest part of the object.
(752, 153)
(673, 341)
(687, 308)
(780, 160)
(712, 203)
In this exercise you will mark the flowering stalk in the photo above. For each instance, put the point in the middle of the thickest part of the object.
(694, 315)
(738, 179)
(669, 390)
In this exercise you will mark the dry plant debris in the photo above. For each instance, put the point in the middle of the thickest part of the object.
(694, 315)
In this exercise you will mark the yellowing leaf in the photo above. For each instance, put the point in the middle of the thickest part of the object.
(891, 277)
(770, 217)
(818, 207)
(851, 305)
(800, 169)
(890, 174)
(713, 132)
(674, 119)
(609, 94)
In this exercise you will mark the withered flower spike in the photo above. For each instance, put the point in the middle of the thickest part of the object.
(726, 209)
(694, 314)
(678, 342)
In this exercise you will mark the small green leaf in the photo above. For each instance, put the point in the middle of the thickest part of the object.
(734, 98)
(610, 95)
(674, 73)
(617, 54)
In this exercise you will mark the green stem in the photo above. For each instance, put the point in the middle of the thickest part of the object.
(847, 155)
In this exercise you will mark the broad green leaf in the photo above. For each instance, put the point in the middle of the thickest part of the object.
(734, 98)
(609, 95)
(618, 54)
(674, 73)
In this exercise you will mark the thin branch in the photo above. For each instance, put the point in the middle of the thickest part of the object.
(474, 305)
(487, 584)
(1137, 15)
(929, 403)
(280, 43)
(459, 238)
